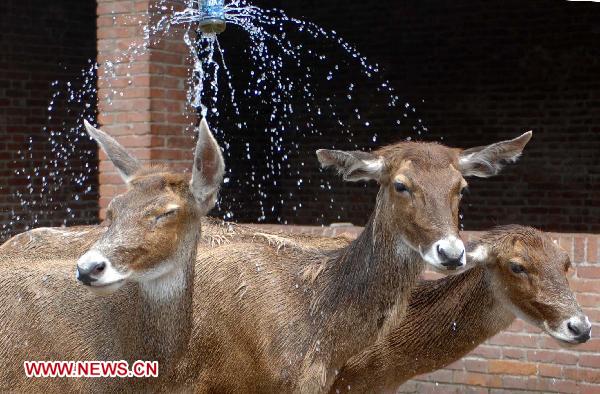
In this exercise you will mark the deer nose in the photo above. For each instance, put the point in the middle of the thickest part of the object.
(89, 274)
(581, 329)
(451, 253)
(90, 267)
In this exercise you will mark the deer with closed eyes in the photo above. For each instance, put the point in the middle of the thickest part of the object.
(135, 292)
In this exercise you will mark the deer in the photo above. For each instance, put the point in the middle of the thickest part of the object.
(518, 272)
(281, 314)
(133, 294)
(331, 298)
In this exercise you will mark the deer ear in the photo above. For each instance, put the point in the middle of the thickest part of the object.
(486, 161)
(125, 164)
(209, 168)
(480, 255)
(352, 165)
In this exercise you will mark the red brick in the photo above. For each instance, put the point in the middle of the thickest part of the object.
(141, 110)
(110, 179)
(592, 249)
(476, 365)
(513, 353)
(513, 339)
(117, 7)
(471, 378)
(583, 375)
(588, 300)
(584, 285)
(588, 272)
(115, 32)
(515, 382)
(593, 345)
(565, 386)
(590, 360)
(512, 367)
(441, 375)
(589, 388)
(550, 370)
(579, 249)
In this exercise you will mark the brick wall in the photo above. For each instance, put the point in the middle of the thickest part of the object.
(522, 358)
(143, 106)
(42, 42)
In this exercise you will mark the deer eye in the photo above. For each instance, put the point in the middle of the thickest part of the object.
(400, 187)
(463, 191)
(167, 214)
(517, 268)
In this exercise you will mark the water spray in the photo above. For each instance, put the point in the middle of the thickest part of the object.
(212, 16)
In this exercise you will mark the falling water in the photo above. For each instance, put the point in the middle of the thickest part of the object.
(301, 106)
(295, 108)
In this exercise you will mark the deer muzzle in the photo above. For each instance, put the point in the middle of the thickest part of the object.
(96, 271)
(447, 254)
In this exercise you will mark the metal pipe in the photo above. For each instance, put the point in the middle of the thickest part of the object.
(212, 20)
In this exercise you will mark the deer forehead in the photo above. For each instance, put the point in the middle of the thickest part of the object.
(536, 251)
(517, 251)
(427, 152)
(160, 181)
(161, 188)
(426, 176)
(140, 203)
(401, 173)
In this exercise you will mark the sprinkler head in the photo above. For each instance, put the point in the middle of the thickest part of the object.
(212, 20)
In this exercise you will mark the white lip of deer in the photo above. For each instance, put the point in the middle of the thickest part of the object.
(563, 333)
(108, 278)
(450, 246)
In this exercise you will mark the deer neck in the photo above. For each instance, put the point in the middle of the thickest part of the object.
(377, 271)
(466, 310)
(446, 319)
(504, 311)
(164, 309)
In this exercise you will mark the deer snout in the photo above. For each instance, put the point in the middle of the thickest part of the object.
(580, 328)
(451, 253)
(447, 254)
(91, 267)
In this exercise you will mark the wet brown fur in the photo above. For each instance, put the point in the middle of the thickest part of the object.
(285, 316)
(46, 315)
(321, 304)
(448, 318)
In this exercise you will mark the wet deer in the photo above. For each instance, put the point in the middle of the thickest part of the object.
(226, 366)
(144, 258)
(519, 272)
(284, 317)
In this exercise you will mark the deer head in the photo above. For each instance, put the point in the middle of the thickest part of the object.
(529, 274)
(151, 224)
(421, 185)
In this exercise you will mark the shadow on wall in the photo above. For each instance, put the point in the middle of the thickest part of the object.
(44, 43)
(476, 74)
